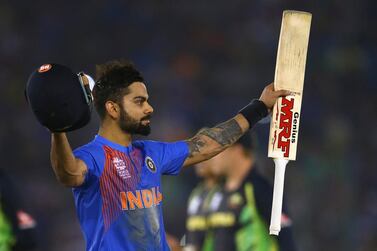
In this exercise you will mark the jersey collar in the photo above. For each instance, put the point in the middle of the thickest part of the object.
(104, 141)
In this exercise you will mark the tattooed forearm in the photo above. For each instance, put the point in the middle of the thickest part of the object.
(196, 144)
(210, 141)
(213, 140)
(225, 133)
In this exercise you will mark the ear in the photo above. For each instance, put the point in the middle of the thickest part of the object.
(113, 109)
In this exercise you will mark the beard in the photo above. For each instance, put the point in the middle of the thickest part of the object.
(130, 125)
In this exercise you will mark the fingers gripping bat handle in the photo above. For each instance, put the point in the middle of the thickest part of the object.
(277, 200)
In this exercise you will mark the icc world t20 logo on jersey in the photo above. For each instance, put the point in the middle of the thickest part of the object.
(121, 168)
(150, 164)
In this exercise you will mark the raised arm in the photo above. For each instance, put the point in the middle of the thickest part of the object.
(69, 170)
(208, 142)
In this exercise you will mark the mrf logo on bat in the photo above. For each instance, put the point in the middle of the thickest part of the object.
(289, 75)
(285, 124)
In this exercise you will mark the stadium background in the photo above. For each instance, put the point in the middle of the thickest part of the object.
(204, 60)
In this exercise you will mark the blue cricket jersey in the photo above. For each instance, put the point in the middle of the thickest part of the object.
(119, 205)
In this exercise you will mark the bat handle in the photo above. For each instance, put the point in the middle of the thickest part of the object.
(277, 200)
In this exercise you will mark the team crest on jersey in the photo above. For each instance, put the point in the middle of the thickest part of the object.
(150, 164)
(235, 200)
(121, 168)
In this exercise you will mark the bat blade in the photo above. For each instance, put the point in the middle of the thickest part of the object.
(289, 75)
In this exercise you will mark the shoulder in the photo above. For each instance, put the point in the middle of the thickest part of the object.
(146, 143)
(147, 146)
(152, 145)
(258, 179)
(199, 189)
(92, 148)
(261, 186)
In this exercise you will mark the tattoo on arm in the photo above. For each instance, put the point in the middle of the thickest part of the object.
(225, 134)
(196, 143)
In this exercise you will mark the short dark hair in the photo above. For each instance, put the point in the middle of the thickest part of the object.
(112, 81)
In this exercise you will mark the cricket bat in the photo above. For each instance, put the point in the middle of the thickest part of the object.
(286, 114)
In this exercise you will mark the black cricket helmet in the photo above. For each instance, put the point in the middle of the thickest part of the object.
(60, 99)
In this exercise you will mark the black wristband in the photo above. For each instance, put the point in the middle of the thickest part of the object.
(254, 112)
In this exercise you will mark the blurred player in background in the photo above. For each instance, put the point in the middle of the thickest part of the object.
(239, 213)
(117, 181)
(198, 203)
(17, 228)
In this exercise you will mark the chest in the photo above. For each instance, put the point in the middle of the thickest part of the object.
(225, 209)
(231, 202)
(128, 171)
(128, 181)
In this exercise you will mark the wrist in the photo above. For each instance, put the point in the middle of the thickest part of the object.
(254, 111)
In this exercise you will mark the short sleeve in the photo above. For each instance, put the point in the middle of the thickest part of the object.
(88, 159)
(173, 156)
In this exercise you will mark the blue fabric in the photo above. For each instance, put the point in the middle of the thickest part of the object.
(119, 205)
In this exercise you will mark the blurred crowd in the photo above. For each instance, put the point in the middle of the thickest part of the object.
(203, 61)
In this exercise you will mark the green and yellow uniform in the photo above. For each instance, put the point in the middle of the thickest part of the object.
(238, 220)
(197, 211)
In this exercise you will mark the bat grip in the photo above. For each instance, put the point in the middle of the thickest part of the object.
(277, 200)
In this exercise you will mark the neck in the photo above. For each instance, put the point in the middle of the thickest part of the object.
(239, 171)
(210, 182)
(113, 133)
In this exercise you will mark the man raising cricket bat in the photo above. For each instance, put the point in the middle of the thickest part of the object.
(116, 180)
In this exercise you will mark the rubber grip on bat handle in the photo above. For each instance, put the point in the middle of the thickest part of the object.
(277, 200)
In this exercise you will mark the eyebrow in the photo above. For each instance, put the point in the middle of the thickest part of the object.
(141, 97)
